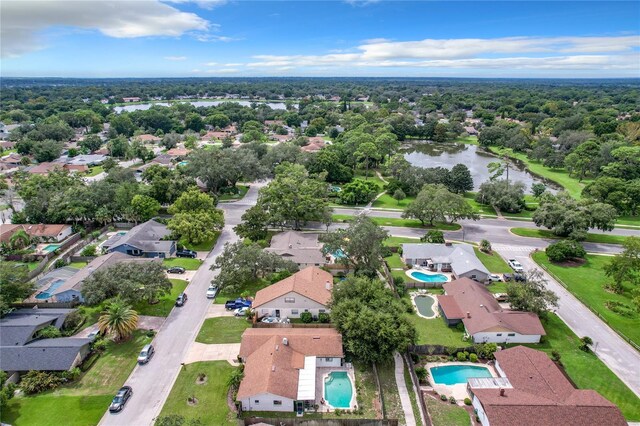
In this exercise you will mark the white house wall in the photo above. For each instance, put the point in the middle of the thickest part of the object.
(265, 403)
(287, 309)
(504, 337)
(480, 412)
(479, 275)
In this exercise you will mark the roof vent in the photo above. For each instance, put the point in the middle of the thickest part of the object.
(273, 368)
(468, 314)
(290, 245)
(285, 341)
(277, 347)
(501, 392)
(327, 285)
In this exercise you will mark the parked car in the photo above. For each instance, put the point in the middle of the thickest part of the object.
(507, 277)
(501, 297)
(240, 312)
(270, 320)
(186, 253)
(176, 270)
(212, 291)
(238, 303)
(515, 265)
(182, 299)
(146, 354)
(121, 398)
(494, 278)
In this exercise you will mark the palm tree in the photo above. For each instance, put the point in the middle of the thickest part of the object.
(20, 240)
(118, 318)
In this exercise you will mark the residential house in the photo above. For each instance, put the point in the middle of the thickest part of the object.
(281, 138)
(301, 248)
(131, 99)
(87, 160)
(146, 138)
(43, 232)
(281, 367)
(470, 302)
(315, 144)
(44, 168)
(308, 290)
(459, 259)
(71, 289)
(270, 123)
(71, 168)
(21, 349)
(471, 131)
(178, 152)
(533, 391)
(11, 160)
(144, 240)
(7, 144)
(6, 129)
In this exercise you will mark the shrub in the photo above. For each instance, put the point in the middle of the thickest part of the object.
(323, 317)
(467, 401)
(89, 250)
(95, 234)
(452, 400)
(443, 397)
(473, 357)
(485, 246)
(38, 381)
(585, 342)
(422, 374)
(306, 317)
(415, 357)
(451, 350)
(461, 356)
(564, 250)
(460, 326)
(619, 308)
(49, 332)
(59, 263)
(70, 375)
(151, 333)
(555, 355)
(485, 350)
(72, 321)
(100, 345)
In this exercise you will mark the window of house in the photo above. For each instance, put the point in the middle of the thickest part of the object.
(265, 311)
(289, 300)
(511, 334)
(499, 334)
(294, 312)
(322, 311)
(257, 401)
(328, 359)
(277, 402)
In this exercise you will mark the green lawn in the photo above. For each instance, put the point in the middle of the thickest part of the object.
(499, 287)
(407, 223)
(165, 304)
(446, 414)
(242, 191)
(493, 262)
(30, 265)
(222, 330)
(467, 140)
(587, 283)
(93, 171)
(212, 407)
(482, 209)
(78, 265)
(436, 332)
(250, 287)
(586, 370)
(401, 274)
(394, 261)
(207, 245)
(47, 409)
(389, 387)
(397, 241)
(591, 238)
(628, 220)
(386, 201)
(186, 262)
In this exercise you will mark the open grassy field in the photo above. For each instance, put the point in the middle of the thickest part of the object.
(587, 283)
(446, 414)
(467, 140)
(166, 302)
(628, 220)
(591, 238)
(95, 170)
(222, 330)
(407, 223)
(585, 369)
(482, 209)
(211, 408)
(386, 201)
(186, 262)
(394, 261)
(397, 241)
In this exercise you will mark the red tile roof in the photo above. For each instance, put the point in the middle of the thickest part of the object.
(311, 283)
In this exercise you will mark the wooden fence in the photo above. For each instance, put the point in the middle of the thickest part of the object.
(291, 421)
(415, 382)
(414, 284)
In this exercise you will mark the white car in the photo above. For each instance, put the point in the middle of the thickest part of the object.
(515, 265)
(494, 278)
(240, 312)
(212, 292)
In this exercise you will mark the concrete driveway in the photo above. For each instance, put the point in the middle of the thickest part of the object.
(219, 352)
(187, 276)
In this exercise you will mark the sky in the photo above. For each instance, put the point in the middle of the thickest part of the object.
(238, 38)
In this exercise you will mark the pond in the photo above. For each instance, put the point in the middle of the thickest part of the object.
(142, 107)
(447, 155)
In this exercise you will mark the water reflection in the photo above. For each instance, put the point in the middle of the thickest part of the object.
(143, 107)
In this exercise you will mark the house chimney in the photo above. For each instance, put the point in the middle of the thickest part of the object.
(501, 392)
(327, 285)
(468, 314)
(290, 245)
(285, 341)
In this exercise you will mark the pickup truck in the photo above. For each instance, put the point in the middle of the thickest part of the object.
(236, 304)
(515, 265)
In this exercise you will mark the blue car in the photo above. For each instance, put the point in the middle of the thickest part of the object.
(236, 304)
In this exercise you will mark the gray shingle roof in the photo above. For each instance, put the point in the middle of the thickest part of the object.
(16, 330)
(146, 236)
(46, 354)
(461, 256)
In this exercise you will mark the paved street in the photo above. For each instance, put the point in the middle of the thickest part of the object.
(152, 382)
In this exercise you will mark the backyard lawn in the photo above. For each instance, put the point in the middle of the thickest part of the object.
(394, 261)
(436, 332)
(211, 407)
(186, 262)
(493, 262)
(586, 370)
(407, 223)
(446, 414)
(587, 283)
(78, 265)
(203, 246)
(222, 330)
(389, 388)
(591, 238)
(166, 302)
(95, 170)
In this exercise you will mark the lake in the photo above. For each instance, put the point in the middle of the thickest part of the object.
(142, 107)
(447, 155)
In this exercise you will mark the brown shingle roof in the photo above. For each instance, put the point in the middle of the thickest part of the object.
(311, 283)
(542, 395)
(485, 313)
(273, 367)
(43, 230)
(450, 307)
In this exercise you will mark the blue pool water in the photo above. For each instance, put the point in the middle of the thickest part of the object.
(338, 254)
(429, 278)
(122, 233)
(456, 374)
(50, 248)
(183, 163)
(338, 389)
(49, 292)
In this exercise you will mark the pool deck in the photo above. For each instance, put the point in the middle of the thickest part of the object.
(434, 307)
(459, 391)
(321, 373)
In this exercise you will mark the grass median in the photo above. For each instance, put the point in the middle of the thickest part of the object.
(406, 223)
(591, 238)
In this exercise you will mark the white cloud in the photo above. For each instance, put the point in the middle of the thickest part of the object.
(361, 2)
(223, 71)
(212, 37)
(22, 20)
(175, 58)
(557, 53)
(204, 4)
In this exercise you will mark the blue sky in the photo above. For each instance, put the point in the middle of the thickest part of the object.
(183, 38)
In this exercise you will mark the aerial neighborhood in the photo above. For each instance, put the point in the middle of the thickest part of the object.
(266, 251)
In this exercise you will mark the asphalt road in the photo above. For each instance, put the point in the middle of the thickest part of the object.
(152, 382)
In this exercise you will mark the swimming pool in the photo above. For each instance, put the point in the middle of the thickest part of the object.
(428, 278)
(183, 163)
(49, 292)
(49, 248)
(424, 305)
(457, 374)
(338, 390)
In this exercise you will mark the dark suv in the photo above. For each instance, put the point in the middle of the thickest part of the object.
(176, 270)
(121, 398)
(182, 299)
(186, 253)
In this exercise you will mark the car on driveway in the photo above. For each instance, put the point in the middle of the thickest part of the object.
(515, 265)
(507, 277)
(176, 270)
(146, 354)
(186, 253)
(121, 398)
(275, 320)
(212, 291)
(240, 312)
(238, 303)
(182, 299)
(494, 278)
